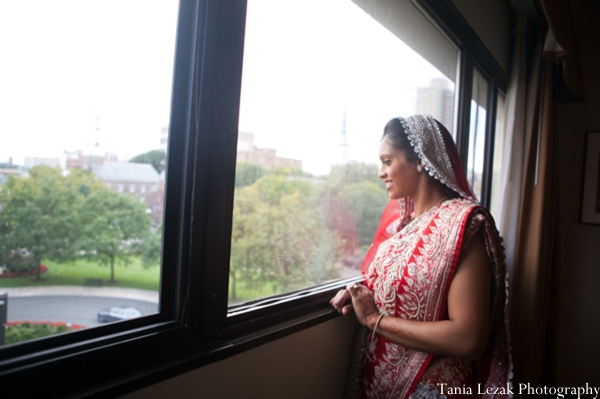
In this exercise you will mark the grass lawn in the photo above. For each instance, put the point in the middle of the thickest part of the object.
(247, 292)
(132, 275)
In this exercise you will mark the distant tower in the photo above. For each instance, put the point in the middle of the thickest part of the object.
(92, 142)
(438, 101)
(164, 138)
(343, 142)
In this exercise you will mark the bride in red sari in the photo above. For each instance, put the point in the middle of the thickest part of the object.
(434, 295)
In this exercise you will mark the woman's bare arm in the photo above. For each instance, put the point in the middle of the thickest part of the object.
(465, 332)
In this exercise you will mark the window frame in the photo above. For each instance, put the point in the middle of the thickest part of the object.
(473, 54)
(195, 326)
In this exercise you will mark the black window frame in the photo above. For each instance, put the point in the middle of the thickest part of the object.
(195, 326)
(473, 54)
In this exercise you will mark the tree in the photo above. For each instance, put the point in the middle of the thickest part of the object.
(84, 182)
(152, 248)
(366, 201)
(114, 228)
(353, 172)
(337, 217)
(157, 158)
(246, 174)
(354, 187)
(278, 236)
(37, 215)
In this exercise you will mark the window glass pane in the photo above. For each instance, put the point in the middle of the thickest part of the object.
(477, 132)
(500, 134)
(313, 106)
(85, 91)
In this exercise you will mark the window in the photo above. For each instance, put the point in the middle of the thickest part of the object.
(74, 124)
(307, 208)
(497, 194)
(477, 133)
(217, 110)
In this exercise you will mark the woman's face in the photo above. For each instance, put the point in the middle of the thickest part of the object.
(399, 175)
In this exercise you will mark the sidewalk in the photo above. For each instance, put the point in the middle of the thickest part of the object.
(72, 290)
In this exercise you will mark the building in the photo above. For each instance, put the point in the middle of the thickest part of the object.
(164, 138)
(156, 199)
(31, 162)
(16, 171)
(437, 100)
(83, 160)
(298, 347)
(265, 157)
(138, 180)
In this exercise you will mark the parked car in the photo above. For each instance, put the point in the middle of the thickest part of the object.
(117, 313)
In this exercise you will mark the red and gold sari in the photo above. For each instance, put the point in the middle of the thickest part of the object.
(410, 268)
(410, 275)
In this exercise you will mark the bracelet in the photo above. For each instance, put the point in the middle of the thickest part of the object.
(376, 325)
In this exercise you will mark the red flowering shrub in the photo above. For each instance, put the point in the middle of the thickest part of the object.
(19, 331)
(30, 272)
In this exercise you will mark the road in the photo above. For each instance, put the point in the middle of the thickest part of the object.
(69, 309)
(76, 305)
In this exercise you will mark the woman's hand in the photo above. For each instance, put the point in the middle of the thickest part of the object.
(463, 333)
(363, 303)
(341, 302)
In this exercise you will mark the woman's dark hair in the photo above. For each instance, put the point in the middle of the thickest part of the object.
(397, 136)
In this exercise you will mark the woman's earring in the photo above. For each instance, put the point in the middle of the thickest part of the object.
(419, 168)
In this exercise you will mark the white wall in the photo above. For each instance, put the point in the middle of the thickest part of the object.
(491, 20)
(312, 363)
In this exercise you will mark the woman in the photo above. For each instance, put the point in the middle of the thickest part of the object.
(434, 293)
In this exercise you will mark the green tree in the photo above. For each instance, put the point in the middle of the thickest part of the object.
(152, 248)
(273, 188)
(278, 236)
(246, 174)
(366, 201)
(37, 216)
(84, 182)
(114, 228)
(354, 187)
(157, 158)
(353, 172)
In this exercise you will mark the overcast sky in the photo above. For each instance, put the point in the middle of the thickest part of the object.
(71, 66)
(74, 67)
(332, 56)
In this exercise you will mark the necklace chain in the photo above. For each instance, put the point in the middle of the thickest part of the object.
(445, 197)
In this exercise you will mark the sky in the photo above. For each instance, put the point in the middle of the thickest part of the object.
(341, 59)
(74, 67)
(75, 72)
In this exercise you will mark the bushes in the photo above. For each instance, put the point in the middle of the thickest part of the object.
(20, 263)
(12, 274)
(18, 331)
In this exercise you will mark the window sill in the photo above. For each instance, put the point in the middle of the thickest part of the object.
(122, 363)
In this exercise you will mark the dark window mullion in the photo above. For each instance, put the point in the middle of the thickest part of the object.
(179, 179)
(490, 131)
(465, 88)
(216, 128)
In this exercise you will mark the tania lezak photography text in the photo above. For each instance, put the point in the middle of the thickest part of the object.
(523, 389)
